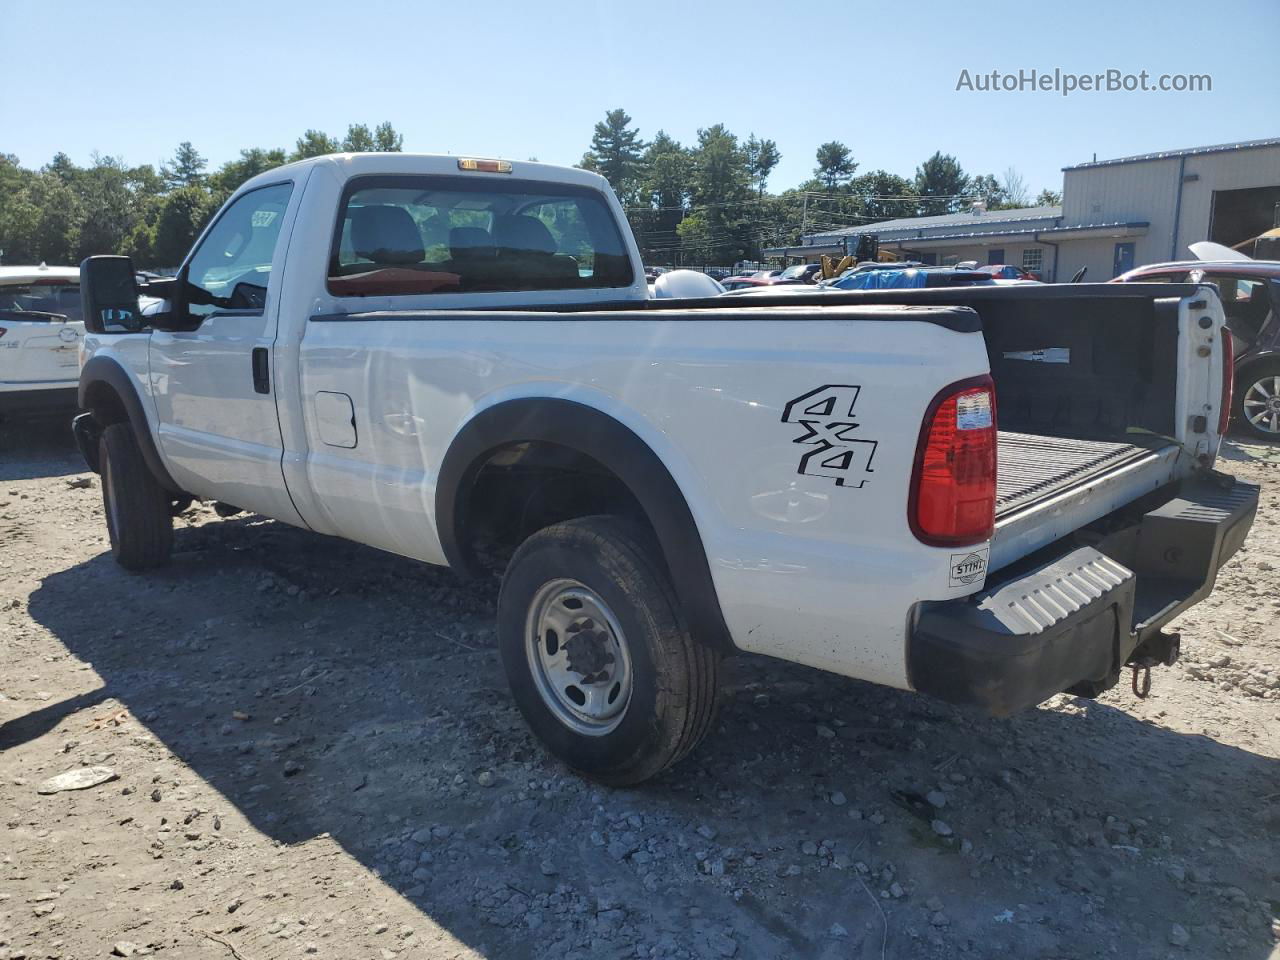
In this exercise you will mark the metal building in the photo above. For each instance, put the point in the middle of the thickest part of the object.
(1227, 193)
(1115, 215)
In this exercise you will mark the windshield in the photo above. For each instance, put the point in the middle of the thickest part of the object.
(797, 271)
(41, 297)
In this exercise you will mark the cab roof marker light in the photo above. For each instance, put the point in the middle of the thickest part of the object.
(484, 166)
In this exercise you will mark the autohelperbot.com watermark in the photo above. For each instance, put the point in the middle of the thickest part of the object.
(1065, 83)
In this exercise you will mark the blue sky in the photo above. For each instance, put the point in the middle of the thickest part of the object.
(497, 78)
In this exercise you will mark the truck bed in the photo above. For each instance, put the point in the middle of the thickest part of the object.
(1047, 487)
(1032, 467)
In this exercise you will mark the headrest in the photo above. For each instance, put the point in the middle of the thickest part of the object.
(470, 242)
(386, 235)
(524, 234)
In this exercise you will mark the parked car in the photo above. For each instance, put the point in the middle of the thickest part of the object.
(40, 334)
(1006, 271)
(666, 482)
(1250, 294)
(741, 282)
(801, 273)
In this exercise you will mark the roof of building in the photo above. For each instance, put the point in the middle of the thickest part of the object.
(1190, 152)
(1125, 228)
(966, 218)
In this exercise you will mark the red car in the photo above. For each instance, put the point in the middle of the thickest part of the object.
(738, 283)
(1007, 271)
(1250, 293)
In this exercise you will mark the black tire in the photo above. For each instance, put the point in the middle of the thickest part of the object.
(137, 507)
(1268, 375)
(674, 678)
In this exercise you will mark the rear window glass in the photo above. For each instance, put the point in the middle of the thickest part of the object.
(417, 235)
(43, 296)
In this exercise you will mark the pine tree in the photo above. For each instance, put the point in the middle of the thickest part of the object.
(762, 156)
(835, 165)
(615, 153)
(186, 169)
(941, 183)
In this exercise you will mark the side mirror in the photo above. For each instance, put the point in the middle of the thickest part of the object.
(109, 295)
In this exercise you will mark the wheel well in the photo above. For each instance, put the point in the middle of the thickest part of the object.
(523, 487)
(1249, 367)
(102, 400)
(538, 460)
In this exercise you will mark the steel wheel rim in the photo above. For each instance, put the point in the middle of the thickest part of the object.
(578, 657)
(1261, 404)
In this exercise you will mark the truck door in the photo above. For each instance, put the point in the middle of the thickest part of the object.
(213, 384)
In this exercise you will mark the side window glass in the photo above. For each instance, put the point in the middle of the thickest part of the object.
(1244, 301)
(232, 266)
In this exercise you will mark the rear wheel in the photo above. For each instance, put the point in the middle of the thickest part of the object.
(137, 507)
(1258, 400)
(598, 656)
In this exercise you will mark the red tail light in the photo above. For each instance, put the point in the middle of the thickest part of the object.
(1228, 381)
(953, 485)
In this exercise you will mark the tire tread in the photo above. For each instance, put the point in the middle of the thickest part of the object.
(146, 539)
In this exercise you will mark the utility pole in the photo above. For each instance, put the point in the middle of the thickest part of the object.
(804, 216)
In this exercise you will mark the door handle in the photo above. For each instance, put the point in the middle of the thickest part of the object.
(261, 371)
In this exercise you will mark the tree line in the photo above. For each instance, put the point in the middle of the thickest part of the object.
(62, 213)
(707, 202)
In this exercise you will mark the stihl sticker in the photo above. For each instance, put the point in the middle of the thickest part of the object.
(829, 430)
(968, 567)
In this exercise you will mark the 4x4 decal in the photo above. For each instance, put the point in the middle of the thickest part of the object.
(828, 420)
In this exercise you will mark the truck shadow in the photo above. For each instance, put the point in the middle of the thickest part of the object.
(38, 447)
(378, 714)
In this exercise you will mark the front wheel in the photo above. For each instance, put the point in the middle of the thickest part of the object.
(599, 659)
(137, 507)
(1258, 401)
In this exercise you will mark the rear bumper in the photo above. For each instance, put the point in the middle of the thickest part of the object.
(1075, 618)
(17, 398)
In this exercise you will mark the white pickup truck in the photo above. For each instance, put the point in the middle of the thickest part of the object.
(456, 360)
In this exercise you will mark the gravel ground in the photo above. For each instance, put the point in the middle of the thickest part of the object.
(313, 754)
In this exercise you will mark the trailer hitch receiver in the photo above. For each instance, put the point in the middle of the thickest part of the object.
(1162, 648)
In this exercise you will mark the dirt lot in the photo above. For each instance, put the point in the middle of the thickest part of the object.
(314, 755)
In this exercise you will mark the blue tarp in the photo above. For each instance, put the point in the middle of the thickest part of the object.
(882, 280)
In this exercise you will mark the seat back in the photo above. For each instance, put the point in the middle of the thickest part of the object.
(386, 235)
